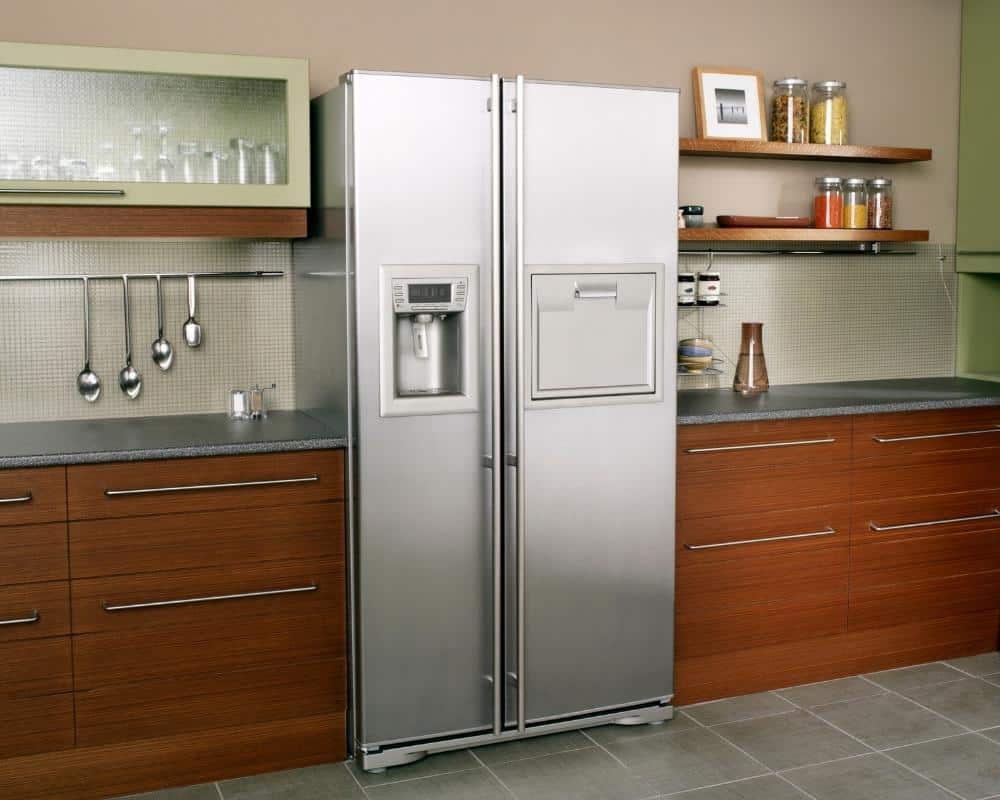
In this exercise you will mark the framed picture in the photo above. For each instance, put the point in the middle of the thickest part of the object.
(729, 103)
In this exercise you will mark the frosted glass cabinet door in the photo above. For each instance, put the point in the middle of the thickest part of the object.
(98, 126)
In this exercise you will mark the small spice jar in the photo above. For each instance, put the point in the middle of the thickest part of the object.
(709, 288)
(694, 216)
(855, 203)
(828, 204)
(829, 113)
(790, 111)
(880, 204)
(686, 289)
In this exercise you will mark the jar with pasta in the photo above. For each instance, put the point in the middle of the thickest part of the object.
(880, 204)
(829, 113)
(828, 205)
(855, 203)
(790, 111)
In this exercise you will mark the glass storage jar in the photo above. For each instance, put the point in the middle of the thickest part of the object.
(880, 204)
(829, 113)
(855, 203)
(828, 204)
(790, 111)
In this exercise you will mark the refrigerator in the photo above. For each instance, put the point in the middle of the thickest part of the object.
(487, 304)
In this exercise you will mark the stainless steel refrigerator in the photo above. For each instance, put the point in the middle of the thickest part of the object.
(487, 300)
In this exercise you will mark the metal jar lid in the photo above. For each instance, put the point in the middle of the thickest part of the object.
(880, 183)
(829, 181)
(790, 83)
(829, 85)
(855, 182)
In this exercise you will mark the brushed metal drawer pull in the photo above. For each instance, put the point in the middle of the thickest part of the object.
(198, 487)
(787, 537)
(35, 617)
(24, 498)
(758, 446)
(67, 192)
(188, 601)
(890, 440)
(994, 514)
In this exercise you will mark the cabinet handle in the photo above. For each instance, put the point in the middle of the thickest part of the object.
(890, 440)
(199, 487)
(35, 617)
(67, 192)
(189, 601)
(761, 446)
(24, 498)
(785, 538)
(994, 514)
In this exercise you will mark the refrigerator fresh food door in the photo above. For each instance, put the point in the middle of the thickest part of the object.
(424, 560)
(591, 508)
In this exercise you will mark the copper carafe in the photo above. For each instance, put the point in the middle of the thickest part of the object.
(751, 370)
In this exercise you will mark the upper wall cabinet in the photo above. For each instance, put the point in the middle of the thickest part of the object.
(98, 126)
(978, 167)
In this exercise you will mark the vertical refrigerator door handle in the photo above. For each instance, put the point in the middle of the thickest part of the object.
(496, 358)
(519, 392)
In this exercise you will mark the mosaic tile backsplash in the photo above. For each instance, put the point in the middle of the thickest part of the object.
(247, 324)
(831, 318)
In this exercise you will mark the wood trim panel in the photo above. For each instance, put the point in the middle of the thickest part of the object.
(803, 152)
(159, 222)
(799, 235)
(206, 538)
(47, 488)
(33, 553)
(153, 709)
(35, 724)
(92, 773)
(923, 423)
(50, 600)
(925, 474)
(87, 484)
(36, 667)
(911, 510)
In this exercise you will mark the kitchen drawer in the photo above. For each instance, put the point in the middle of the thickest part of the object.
(707, 448)
(224, 619)
(926, 474)
(172, 706)
(760, 490)
(34, 610)
(933, 598)
(206, 538)
(36, 666)
(929, 515)
(100, 491)
(35, 724)
(707, 540)
(886, 435)
(29, 496)
(31, 553)
(909, 561)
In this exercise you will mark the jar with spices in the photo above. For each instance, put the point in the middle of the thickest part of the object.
(855, 203)
(880, 204)
(828, 205)
(790, 111)
(829, 113)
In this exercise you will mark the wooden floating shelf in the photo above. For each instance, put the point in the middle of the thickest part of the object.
(151, 222)
(803, 152)
(798, 235)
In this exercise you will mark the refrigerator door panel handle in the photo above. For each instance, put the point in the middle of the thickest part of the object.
(519, 110)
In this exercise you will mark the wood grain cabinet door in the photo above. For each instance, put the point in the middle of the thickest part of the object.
(29, 496)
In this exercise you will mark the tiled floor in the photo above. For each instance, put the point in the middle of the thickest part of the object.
(919, 733)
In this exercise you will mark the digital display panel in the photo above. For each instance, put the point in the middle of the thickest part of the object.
(430, 292)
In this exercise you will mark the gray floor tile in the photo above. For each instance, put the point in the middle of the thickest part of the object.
(476, 784)
(993, 733)
(790, 740)
(769, 787)
(968, 765)
(749, 706)
(325, 782)
(437, 764)
(529, 748)
(608, 734)
(971, 701)
(868, 778)
(887, 721)
(687, 760)
(899, 680)
(203, 791)
(984, 664)
(579, 774)
(817, 694)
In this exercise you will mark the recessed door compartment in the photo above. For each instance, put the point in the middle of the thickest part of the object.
(595, 333)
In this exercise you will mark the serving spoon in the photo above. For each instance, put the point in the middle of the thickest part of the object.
(87, 382)
(129, 379)
(161, 349)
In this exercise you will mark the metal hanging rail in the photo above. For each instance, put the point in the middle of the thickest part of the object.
(144, 275)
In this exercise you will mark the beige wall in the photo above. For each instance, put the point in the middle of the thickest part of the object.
(900, 59)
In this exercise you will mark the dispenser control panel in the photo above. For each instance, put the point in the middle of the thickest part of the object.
(429, 295)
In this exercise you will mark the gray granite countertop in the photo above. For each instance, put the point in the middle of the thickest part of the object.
(41, 444)
(699, 406)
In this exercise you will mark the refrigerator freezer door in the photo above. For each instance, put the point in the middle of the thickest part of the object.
(424, 616)
(598, 184)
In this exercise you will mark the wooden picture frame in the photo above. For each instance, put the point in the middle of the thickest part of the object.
(748, 119)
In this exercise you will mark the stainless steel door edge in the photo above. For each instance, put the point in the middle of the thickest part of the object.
(519, 110)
